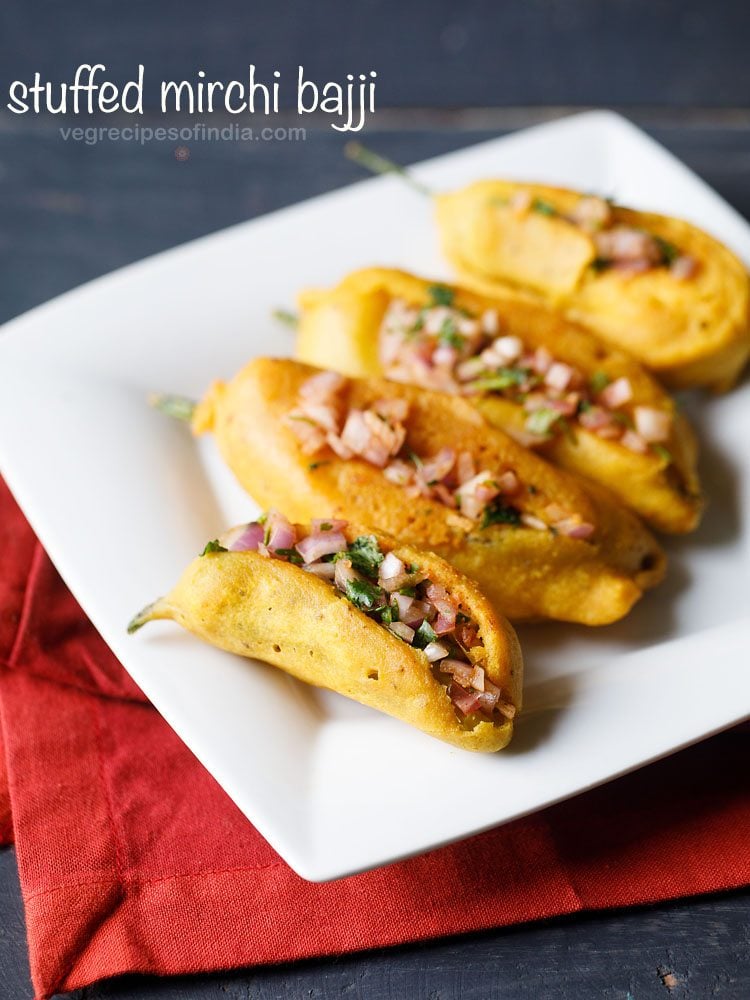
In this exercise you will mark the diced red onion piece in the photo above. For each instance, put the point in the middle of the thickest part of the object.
(634, 442)
(617, 393)
(399, 472)
(338, 446)
(683, 267)
(558, 376)
(542, 360)
(344, 573)
(508, 348)
(624, 244)
(435, 651)
(533, 522)
(465, 468)
(436, 468)
(394, 409)
(490, 322)
(322, 386)
(653, 425)
(326, 543)
(281, 533)
(465, 701)
(391, 566)
(595, 418)
(460, 671)
(402, 630)
(332, 524)
(573, 527)
(244, 539)
(445, 356)
(477, 678)
(325, 570)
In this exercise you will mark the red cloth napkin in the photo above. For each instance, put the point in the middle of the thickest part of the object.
(132, 859)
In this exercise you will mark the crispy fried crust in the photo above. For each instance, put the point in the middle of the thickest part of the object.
(339, 327)
(526, 574)
(691, 332)
(271, 610)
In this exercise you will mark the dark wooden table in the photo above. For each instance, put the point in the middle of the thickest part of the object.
(70, 212)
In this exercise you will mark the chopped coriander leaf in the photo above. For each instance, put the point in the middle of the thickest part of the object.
(386, 615)
(411, 568)
(498, 512)
(326, 526)
(364, 595)
(503, 378)
(584, 406)
(600, 264)
(213, 546)
(424, 635)
(414, 457)
(365, 554)
(622, 418)
(542, 421)
(664, 453)
(291, 554)
(408, 591)
(543, 207)
(317, 465)
(440, 295)
(418, 323)
(599, 381)
(669, 251)
(262, 519)
(449, 335)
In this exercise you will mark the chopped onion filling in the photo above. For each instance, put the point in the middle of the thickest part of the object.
(392, 592)
(483, 359)
(377, 434)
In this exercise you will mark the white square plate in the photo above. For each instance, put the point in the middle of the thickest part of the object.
(122, 499)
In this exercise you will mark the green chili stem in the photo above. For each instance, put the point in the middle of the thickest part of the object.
(378, 164)
(177, 407)
(286, 317)
(146, 614)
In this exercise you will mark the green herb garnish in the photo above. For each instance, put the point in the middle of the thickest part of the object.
(600, 264)
(408, 591)
(365, 554)
(599, 381)
(364, 595)
(669, 251)
(449, 335)
(317, 465)
(542, 421)
(213, 546)
(664, 453)
(440, 295)
(389, 614)
(503, 378)
(424, 635)
(498, 512)
(291, 554)
(543, 207)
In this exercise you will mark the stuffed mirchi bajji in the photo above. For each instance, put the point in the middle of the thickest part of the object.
(354, 611)
(656, 286)
(425, 468)
(539, 377)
